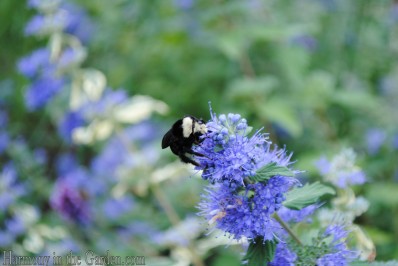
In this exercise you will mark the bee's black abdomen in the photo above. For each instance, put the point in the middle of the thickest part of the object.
(167, 139)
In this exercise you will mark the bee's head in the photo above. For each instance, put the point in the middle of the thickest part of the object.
(200, 127)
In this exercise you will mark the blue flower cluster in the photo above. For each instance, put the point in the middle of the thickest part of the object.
(45, 66)
(283, 256)
(341, 170)
(338, 254)
(233, 203)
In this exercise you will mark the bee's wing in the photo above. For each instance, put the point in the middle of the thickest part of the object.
(167, 139)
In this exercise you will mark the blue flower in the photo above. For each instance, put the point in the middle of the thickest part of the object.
(4, 140)
(68, 123)
(323, 165)
(78, 24)
(283, 256)
(10, 187)
(40, 155)
(42, 90)
(229, 155)
(341, 170)
(184, 4)
(47, 24)
(15, 226)
(246, 212)
(65, 164)
(114, 208)
(70, 201)
(296, 216)
(32, 64)
(339, 253)
(375, 138)
(6, 238)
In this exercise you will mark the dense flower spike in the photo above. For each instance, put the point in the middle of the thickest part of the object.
(246, 213)
(230, 155)
(283, 256)
(339, 254)
(235, 204)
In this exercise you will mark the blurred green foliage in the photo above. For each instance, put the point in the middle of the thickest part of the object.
(317, 74)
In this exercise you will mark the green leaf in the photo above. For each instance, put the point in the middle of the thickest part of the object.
(301, 197)
(218, 148)
(260, 252)
(270, 170)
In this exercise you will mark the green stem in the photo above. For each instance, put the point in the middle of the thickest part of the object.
(287, 228)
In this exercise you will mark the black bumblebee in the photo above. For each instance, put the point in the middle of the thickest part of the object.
(183, 134)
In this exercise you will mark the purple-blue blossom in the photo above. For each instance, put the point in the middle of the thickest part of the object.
(32, 64)
(283, 256)
(341, 170)
(229, 155)
(70, 121)
(70, 202)
(375, 138)
(4, 141)
(47, 24)
(79, 23)
(296, 216)
(42, 91)
(66, 163)
(115, 208)
(339, 254)
(246, 212)
(10, 187)
(15, 225)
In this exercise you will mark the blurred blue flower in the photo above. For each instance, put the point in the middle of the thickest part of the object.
(323, 165)
(375, 138)
(144, 132)
(102, 107)
(47, 24)
(341, 170)
(283, 256)
(393, 16)
(40, 155)
(180, 234)
(66, 163)
(6, 238)
(35, 25)
(10, 187)
(395, 141)
(296, 216)
(70, 121)
(184, 4)
(138, 229)
(339, 253)
(79, 23)
(112, 155)
(42, 90)
(3, 119)
(114, 208)
(15, 226)
(356, 177)
(32, 64)
(4, 140)
(70, 202)
(306, 41)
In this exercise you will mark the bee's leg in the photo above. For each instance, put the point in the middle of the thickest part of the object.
(186, 159)
(190, 151)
